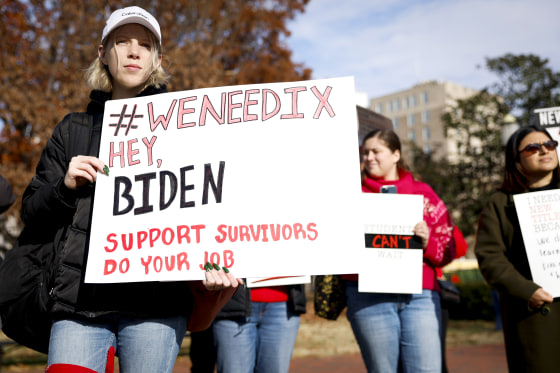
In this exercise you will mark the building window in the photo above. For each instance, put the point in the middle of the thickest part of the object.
(410, 120)
(427, 149)
(426, 133)
(405, 103)
(379, 108)
(395, 123)
(411, 135)
(397, 105)
(424, 97)
(425, 116)
(413, 101)
(390, 106)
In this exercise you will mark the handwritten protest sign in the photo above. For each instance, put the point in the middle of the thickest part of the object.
(391, 261)
(262, 179)
(539, 218)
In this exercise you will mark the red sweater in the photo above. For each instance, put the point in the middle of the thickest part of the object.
(270, 294)
(441, 246)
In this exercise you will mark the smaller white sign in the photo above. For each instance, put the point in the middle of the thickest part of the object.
(539, 218)
(390, 263)
(255, 282)
(549, 118)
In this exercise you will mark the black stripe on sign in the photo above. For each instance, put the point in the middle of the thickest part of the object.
(392, 241)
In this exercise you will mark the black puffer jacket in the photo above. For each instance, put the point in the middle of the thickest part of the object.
(48, 205)
(240, 306)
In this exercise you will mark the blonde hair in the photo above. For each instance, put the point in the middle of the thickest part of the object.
(99, 78)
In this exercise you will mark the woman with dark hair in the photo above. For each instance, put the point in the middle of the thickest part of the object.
(530, 319)
(401, 330)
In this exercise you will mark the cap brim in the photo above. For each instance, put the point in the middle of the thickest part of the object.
(138, 20)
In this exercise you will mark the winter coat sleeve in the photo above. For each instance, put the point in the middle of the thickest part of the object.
(207, 304)
(47, 202)
(495, 241)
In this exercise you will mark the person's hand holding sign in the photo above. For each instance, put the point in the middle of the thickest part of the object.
(539, 299)
(83, 169)
(219, 278)
(421, 230)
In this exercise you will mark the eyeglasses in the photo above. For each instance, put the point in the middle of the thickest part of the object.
(531, 149)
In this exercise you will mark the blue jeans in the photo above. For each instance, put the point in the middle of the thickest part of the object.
(142, 345)
(396, 332)
(260, 343)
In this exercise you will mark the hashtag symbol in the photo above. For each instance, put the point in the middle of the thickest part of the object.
(120, 123)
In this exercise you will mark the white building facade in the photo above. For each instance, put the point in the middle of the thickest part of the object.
(416, 114)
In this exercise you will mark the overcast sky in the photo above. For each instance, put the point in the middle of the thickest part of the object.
(390, 45)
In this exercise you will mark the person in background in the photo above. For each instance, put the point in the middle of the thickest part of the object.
(461, 248)
(143, 322)
(7, 196)
(7, 199)
(401, 331)
(256, 330)
(530, 315)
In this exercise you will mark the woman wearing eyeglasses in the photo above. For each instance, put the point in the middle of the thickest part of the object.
(531, 318)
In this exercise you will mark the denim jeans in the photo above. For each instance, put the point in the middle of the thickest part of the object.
(396, 332)
(142, 345)
(260, 343)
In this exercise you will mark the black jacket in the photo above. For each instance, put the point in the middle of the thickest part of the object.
(240, 304)
(531, 338)
(49, 206)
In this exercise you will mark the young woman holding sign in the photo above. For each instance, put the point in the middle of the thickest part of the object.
(401, 330)
(531, 318)
(143, 322)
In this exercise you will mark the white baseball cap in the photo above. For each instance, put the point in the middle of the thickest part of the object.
(132, 14)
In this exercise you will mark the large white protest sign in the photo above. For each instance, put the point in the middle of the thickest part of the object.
(262, 179)
(539, 218)
(391, 261)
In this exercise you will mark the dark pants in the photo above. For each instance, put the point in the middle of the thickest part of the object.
(202, 352)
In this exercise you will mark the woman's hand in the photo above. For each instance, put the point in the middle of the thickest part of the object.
(539, 298)
(82, 170)
(219, 278)
(421, 230)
